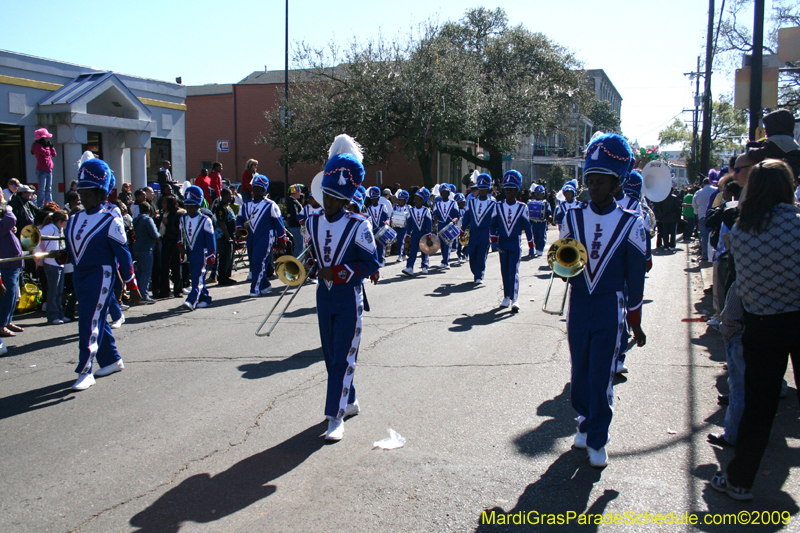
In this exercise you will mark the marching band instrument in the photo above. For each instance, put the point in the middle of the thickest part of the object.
(242, 233)
(61, 257)
(30, 237)
(399, 219)
(433, 248)
(292, 272)
(463, 240)
(651, 217)
(656, 181)
(385, 236)
(567, 257)
(449, 233)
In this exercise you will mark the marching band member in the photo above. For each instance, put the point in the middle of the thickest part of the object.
(378, 216)
(401, 207)
(540, 216)
(509, 222)
(345, 253)
(569, 191)
(243, 224)
(266, 229)
(444, 212)
(97, 244)
(460, 201)
(418, 225)
(356, 204)
(199, 245)
(477, 219)
(615, 241)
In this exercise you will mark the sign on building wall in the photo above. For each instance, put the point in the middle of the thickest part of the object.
(223, 146)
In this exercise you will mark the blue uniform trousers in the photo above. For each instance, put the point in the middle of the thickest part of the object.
(260, 262)
(509, 268)
(197, 271)
(339, 313)
(413, 249)
(401, 238)
(478, 251)
(114, 308)
(539, 235)
(94, 288)
(594, 327)
(626, 335)
(459, 249)
(446, 253)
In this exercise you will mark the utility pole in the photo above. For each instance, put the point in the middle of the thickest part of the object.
(756, 69)
(286, 99)
(696, 75)
(705, 148)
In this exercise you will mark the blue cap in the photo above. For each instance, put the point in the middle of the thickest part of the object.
(343, 174)
(260, 180)
(445, 187)
(539, 189)
(569, 187)
(484, 181)
(402, 195)
(96, 174)
(633, 186)
(459, 197)
(193, 195)
(374, 192)
(358, 199)
(573, 184)
(610, 154)
(512, 180)
(425, 194)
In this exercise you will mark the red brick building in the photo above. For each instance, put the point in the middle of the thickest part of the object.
(235, 113)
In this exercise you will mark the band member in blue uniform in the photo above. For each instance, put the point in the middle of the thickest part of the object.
(568, 191)
(344, 248)
(418, 225)
(615, 241)
(445, 211)
(378, 216)
(509, 222)
(478, 216)
(461, 203)
(401, 207)
(199, 245)
(266, 227)
(97, 244)
(540, 215)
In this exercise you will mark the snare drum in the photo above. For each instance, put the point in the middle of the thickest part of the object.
(399, 219)
(385, 236)
(449, 233)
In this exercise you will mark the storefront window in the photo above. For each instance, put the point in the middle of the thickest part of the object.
(160, 150)
(12, 154)
(95, 144)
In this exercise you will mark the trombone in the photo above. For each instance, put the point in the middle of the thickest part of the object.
(292, 272)
(29, 239)
(567, 257)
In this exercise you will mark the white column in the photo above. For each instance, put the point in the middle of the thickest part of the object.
(72, 154)
(116, 149)
(138, 168)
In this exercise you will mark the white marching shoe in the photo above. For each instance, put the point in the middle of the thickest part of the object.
(514, 307)
(597, 458)
(620, 367)
(408, 271)
(335, 429)
(424, 270)
(580, 440)
(118, 323)
(506, 302)
(187, 305)
(116, 366)
(84, 382)
(352, 409)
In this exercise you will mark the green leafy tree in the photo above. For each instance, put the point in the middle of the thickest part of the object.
(603, 117)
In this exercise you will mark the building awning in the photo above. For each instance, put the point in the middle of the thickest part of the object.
(98, 99)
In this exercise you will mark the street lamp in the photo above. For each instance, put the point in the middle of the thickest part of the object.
(286, 95)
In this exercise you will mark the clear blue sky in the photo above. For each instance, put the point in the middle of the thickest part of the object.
(644, 50)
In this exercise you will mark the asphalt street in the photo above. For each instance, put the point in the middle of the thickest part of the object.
(212, 429)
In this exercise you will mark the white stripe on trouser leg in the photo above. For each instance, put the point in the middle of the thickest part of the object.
(105, 287)
(264, 264)
(351, 354)
(516, 278)
(620, 327)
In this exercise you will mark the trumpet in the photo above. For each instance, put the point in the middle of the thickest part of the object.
(567, 257)
(242, 233)
(292, 272)
(30, 237)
